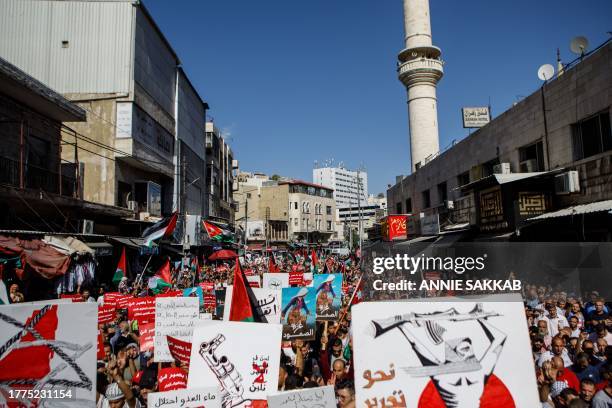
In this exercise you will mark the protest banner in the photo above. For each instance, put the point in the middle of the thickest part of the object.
(186, 398)
(328, 289)
(207, 286)
(179, 349)
(141, 309)
(268, 300)
(48, 345)
(106, 314)
(110, 298)
(100, 349)
(320, 397)
(171, 378)
(275, 280)
(298, 313)
(296, 278)
(195, 292)
(76, 297)
(170, 293)
(241, 358)
(449, 351)
(210, 300)
(206, 316)
(254, 281)
(147, 334)
(174, 317)
(122, 301)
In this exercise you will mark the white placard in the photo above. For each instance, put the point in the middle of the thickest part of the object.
(65, 351)
(475, 117)
(415, 353)
(321, 397)
(176, 317)
(275, 280)
(186, 398)
(269, 301)
(242, 358)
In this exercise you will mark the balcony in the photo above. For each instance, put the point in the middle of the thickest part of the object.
(420, 70)
(38, 178)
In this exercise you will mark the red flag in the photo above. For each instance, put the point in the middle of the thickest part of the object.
(313, 258)
(243, 300)
(357, 294)
(164, 272)
(179, 349)
(121, 268)
(272, 266)
(171, 378)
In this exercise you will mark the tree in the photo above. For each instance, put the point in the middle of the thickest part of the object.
(275, 177)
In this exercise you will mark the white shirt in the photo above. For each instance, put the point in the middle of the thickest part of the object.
(547, 355)
(555, 323)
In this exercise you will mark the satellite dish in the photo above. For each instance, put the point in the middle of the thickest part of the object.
(546, 72)
(579, 45)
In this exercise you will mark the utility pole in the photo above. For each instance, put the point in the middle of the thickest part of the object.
(359, 206)
(307, 239)
(267, 225)
(246, 218)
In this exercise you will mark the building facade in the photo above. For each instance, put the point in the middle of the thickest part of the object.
(220, 183)
(350, 187)
(312, 211)
(552, 150)
(144, 117)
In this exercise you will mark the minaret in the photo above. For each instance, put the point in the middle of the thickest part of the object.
(420, 69)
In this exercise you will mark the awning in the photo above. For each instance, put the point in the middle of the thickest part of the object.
(499, 179)
(131, 242)
(599, 206)
(101, 248)
(67, 245)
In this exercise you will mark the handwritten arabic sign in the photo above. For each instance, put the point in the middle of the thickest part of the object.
(475, 117)
(174, 317)
(242, 358)
(328, 293)
(321, 397)
(298, 313)
(268, 300)
(187, 398)
(275, 280)
(442, 353)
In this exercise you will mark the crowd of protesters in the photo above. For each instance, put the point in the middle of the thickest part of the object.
(571, 338)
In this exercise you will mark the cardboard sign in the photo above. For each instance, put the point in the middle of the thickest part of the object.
(147, 334)
(242, 358)
(269, 303)
(65, 349)
(427, 354)
(321, 397)
(298, 313)
(174, 317)
(328, 293)
(207, 286)
(179, 349)
(275, 280)
(296, 278)
(186, 398)
(110, 298)
(141, 309)
(171, 378)
(106, 314)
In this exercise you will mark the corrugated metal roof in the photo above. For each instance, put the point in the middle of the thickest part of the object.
(598, 206)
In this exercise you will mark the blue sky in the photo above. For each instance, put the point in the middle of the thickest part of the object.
(292, 82)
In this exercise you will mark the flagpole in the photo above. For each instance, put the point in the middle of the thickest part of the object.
(141, 274)
(350, 300)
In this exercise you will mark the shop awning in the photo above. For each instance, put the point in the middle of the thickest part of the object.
(67, 245)
(131, 242)
(500, 179)
(101, 248)
(599, 206)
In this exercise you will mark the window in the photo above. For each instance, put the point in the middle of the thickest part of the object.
(487, 168)
(295, 222)
(248, 195)
(426, 199)
(408, 205)
(442, 192)
(295, 205)
(328, 210)
(398, 208)
(531, 158)
(329, 225)
(592, 136)
(463, 179)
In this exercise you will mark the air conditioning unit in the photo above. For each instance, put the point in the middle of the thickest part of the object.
(88, 227)
(502, 168)
(568, 182)
(528, 166)
(449, 204)
(132, 205)
(234, 164)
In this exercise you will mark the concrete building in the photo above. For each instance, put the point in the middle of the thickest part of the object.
(220, 181)
(144, 117)
(287, 211)
(38, 190)
(420, 69)
(371, 211)
(552, 151)
(350, 187)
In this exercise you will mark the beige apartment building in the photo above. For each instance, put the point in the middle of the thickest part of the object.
(283, 211)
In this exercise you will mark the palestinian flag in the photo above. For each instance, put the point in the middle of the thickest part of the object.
(314, 261)
(121, 268)
(216, 233)
(161, 229)
(272, 266)
(244, 301)
(162, 279)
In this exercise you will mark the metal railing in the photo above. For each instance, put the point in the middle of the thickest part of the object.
(38, 178)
